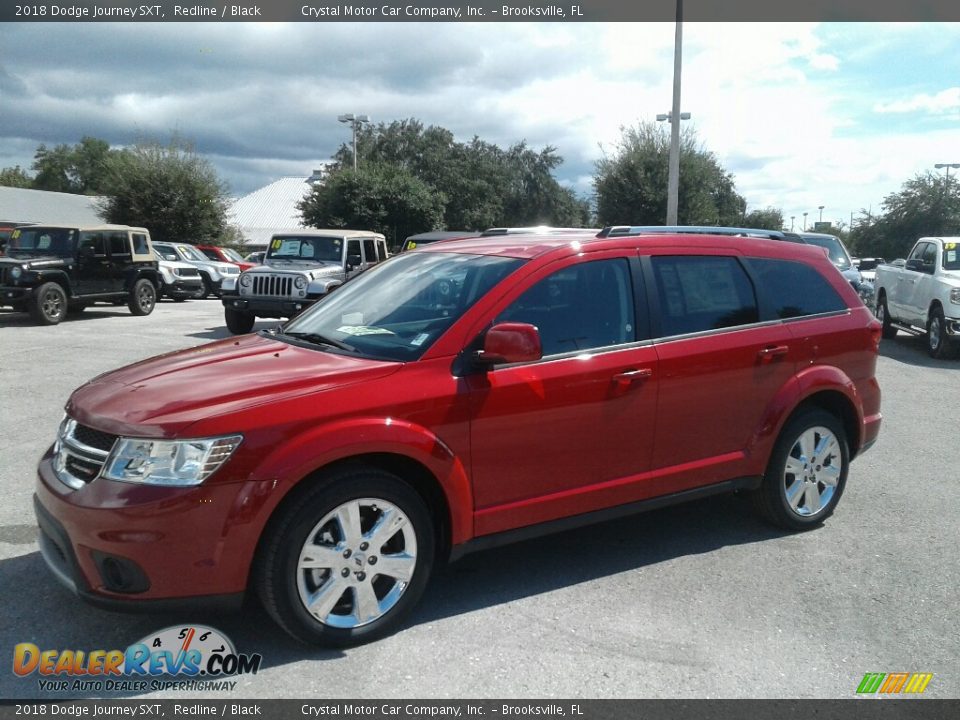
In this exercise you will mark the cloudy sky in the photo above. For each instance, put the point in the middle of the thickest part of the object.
(804, 115)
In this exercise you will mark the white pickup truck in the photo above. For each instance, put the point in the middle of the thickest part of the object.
(923, 295)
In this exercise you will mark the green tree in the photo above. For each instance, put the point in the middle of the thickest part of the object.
(15, 177)
(927, 204)
(769, 218)
(484, 185)
(79, 169)
(168, 189)
(631, 184)
(381, 197)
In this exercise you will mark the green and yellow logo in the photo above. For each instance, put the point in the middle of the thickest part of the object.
(892, 683)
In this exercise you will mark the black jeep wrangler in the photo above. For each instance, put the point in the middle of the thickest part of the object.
(50, 269)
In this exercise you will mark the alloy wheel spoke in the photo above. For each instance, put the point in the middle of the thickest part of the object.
(391, 522)
(321, 603)
(314, 557)
(813, 498)
(366, 606)
(829, 475)
(806, 442)
(827, 443)
(794, 467)
(348, 517)
(795, 493)
(399, 567)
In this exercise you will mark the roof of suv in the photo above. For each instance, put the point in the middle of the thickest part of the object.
(532, 245)
(314, 232)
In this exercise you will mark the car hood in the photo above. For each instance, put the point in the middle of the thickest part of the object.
(33, 261)
(309, 268)
(174, 264)
(163, 396)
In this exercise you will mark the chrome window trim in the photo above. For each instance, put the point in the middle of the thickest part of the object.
(749, 326)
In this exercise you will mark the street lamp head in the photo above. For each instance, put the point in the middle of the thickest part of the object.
(363, 118)
(345, 118)
(940, 166)
(820, 207)
(665, 116)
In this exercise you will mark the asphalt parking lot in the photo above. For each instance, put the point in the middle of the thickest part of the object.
(701, 600)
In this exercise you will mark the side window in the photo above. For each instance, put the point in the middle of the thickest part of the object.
(794, 289)
(700, 293)
(381, 250)
(918, 251)
(354, 257)
(581, 307)
(210, 254)
(929, 258)
(118, 245)
(92, 244)
(370, 252)
(140, 244)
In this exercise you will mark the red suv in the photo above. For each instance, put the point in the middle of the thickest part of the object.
(225, 254)
(455, 398)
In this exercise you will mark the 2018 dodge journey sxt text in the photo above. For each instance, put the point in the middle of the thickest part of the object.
(453, 398)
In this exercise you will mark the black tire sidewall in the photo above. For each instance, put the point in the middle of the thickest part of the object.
(134, 301)
(36, 305)
(940, 350)
(239, 323)
(781, 512)
(283, 598)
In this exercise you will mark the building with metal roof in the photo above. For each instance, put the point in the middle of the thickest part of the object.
(271, 209)
(19, 205)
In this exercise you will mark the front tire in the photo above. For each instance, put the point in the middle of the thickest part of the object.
(143, 297)
(48, 306)
(807, 471)
(347, 562)
(938, 344)
(238, 322)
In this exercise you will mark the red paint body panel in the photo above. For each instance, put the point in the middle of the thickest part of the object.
(508, 448)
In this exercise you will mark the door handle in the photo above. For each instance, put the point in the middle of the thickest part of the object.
(774, 351)
(629, 376)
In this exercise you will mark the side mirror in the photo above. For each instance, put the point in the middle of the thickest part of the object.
(915, 264)
(510, 343)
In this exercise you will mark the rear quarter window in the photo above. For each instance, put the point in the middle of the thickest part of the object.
(794, 289)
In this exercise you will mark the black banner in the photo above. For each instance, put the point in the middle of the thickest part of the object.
(477, 11)
(854, 709)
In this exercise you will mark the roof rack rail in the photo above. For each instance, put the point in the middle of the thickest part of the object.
(624, 230)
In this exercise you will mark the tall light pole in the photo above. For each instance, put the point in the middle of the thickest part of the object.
(355, 121)
(804, 222)
(820, 208)
(673, 181)
(791, 222)
(955, 166)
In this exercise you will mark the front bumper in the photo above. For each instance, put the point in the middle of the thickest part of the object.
(268, 307)
(183, 289)
(128, 546)
(13, 295)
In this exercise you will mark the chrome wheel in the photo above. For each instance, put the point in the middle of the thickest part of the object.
(52, 305)
(934, 334)
(356, 563)
(812, 471)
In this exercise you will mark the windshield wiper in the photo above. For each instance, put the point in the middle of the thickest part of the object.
(318, 339)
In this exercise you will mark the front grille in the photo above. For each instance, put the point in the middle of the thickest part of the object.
(273, 285)
(3, 276)
(187, 272)
(94, 438)
(80, 453)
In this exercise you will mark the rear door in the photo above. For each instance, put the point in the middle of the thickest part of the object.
(720, 366)
(121, 260)
(92, 275)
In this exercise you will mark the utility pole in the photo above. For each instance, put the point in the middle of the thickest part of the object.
(673, 183)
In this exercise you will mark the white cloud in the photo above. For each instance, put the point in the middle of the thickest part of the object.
(943, 102)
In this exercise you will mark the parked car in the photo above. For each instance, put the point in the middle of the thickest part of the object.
(868, 267)
(214, 252)
(427, 238)
(535, 230)
(329, 465)
(300, 268)
(255, 258)
(179, 281)
(839, 255)
(923, 295)
(212, 272)
(52, 269)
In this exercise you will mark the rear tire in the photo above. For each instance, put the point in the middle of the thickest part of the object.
(238, 322)
(883, 315)
(348, 560)
(143, 297)
(48, 305)
(207, 287)
(807, 471)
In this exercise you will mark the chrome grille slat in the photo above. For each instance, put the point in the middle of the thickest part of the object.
(81, 453)
(272, 285)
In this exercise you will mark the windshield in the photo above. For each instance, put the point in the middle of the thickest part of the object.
(951, 256)
(838, 256)
(397, 310)
(232, 254)
(42, 241)
(191, 253)
(305, 247)
(166, 252)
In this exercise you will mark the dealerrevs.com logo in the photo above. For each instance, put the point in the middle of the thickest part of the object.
(199, 657)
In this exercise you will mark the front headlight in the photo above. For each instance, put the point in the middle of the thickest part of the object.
(177, 463)
(955, 296)
(300, 282)
(15, 272)
(246, 280)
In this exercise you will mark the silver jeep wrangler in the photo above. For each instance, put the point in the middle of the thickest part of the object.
(300, 267)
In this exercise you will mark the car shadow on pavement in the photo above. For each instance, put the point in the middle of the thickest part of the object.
(912, 350)
(220, 333)
(38, 610)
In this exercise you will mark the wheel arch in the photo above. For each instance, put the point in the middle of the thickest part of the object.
(840, 406)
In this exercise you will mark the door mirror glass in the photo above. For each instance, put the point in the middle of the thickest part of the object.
(510, 342)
